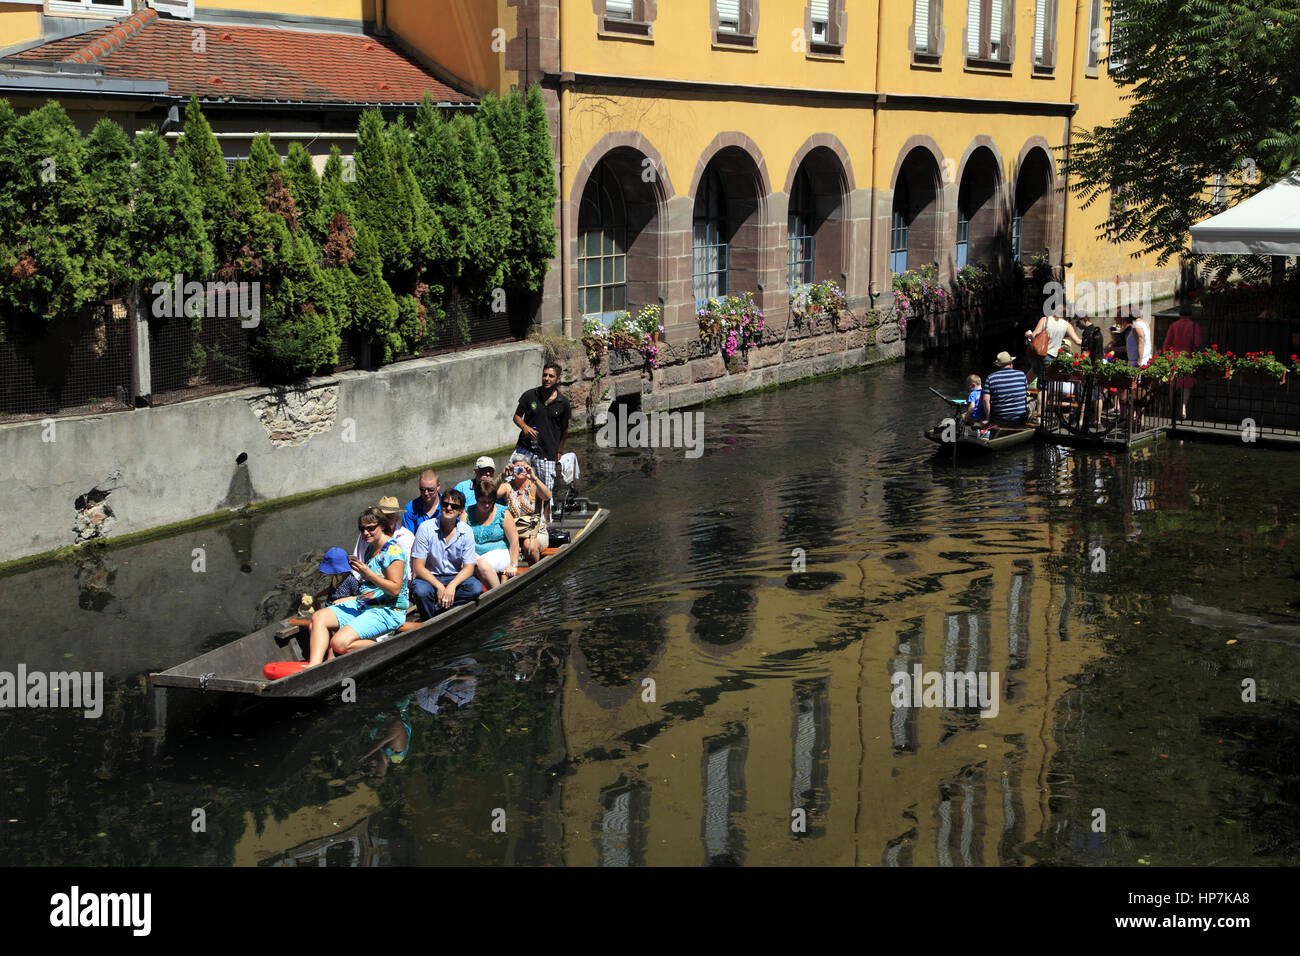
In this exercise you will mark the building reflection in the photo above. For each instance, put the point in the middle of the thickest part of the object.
(811, 734)
(724, 797)
(621, 829)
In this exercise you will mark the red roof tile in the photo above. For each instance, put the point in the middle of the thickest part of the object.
(252, 63)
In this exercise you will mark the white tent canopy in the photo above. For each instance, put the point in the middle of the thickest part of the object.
(1266, 224)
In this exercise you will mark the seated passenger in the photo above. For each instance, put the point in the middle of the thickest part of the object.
(393, 527)
(426, 505)
(974, 413)
(525, 495)
(1006, 394)
(378, 608)
(485, 467)
(443, 559)
(341, 583)
(495, 537)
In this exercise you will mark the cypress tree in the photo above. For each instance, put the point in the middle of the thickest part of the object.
(372, 308)
(502, 123)
(299, 330)
(263, 160)
(303, 182)
(439, 167)
(376, 195)
(428, 238)
(108, 177)
(199, 149)
(538, 240)
(167, 234)
(488, 240)
(334, 198)
(48, 239)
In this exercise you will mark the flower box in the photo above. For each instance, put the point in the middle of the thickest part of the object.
(1257, 378)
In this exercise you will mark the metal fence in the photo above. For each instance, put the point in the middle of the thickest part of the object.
(67, 368)
(1091, 409)
(189, 358)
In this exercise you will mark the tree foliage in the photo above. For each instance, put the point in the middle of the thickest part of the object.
(199, 149)
(167, 233)
(1212, 89)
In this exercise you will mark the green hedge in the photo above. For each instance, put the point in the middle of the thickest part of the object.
(371, 249)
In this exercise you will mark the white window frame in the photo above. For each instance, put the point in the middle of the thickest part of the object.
(1044, 45)
(931, 53)
(90, 8)
(1093, 56)
(1002, 16)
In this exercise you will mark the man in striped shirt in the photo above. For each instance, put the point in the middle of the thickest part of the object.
(1006, 393)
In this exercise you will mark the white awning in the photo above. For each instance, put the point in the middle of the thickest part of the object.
(1266, 224)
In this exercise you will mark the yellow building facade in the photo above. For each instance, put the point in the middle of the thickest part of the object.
(750, 145)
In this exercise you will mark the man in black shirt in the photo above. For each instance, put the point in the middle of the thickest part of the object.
(543, 418)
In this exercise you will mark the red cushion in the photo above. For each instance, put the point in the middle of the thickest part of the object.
(277, 669)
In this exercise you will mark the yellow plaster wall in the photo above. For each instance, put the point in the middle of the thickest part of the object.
(335, 9)
(18, 24)
(683, 50)
(458, 36)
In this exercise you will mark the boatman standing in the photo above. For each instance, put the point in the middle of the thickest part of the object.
(543, 418)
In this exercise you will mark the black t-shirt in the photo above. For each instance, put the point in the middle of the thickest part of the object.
(1091, 336)
(550, 420)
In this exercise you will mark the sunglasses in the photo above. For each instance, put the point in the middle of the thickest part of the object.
(366, 528)
(428, 491)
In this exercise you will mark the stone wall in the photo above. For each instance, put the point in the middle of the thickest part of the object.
(691, 372)
(92, 477)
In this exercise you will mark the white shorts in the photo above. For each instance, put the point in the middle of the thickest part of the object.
(499, 558)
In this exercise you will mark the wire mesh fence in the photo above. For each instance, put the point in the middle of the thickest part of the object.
(200, 356)
(72, 367)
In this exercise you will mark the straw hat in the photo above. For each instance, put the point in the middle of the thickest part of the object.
(389, 505)
(1004, 358)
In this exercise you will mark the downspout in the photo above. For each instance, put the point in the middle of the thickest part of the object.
(565, 83)
(1069, 125)
(381, 18)
(872, 290)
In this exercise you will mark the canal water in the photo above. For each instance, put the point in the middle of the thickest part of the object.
(719, 676)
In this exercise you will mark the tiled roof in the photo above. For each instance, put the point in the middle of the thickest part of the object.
(251, 63)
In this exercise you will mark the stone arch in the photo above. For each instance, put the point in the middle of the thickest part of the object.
(914, 141)
(818, 186)
(731, 239)
(1036, 202)
(617, 166)
(979, 220)
(915, 225)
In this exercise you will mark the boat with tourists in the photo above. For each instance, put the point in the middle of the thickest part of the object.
(957, 438)
(238, 669)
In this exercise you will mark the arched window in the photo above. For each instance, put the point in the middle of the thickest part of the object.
(898, 234)
(602, 249)
(1017, 230)
(799, 259)
(963, 233)
(709, 239)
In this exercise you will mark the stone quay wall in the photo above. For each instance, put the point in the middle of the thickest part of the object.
(96, 477)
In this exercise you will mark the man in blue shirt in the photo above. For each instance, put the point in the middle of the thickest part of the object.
(422, 508)
(443, 559)
(485, 467)
(1006, 393)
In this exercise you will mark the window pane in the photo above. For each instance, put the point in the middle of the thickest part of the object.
(922, 26)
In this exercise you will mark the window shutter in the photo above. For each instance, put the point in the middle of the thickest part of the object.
(619, 8)
(995, 30)
(1040, 30)
(821, 20)
(923, 26)
(729, 15)
(972, 27)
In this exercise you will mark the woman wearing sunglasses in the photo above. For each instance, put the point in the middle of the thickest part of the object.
(381, 604)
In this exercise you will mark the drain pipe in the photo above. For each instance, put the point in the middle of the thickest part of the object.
(1069, 125)
(564, 93)
(381, 18)
(872, 290)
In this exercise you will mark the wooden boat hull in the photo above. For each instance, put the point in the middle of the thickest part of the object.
(1002, 437)
(236, 668)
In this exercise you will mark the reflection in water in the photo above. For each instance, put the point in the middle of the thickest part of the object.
(540, 708)
(724, 797)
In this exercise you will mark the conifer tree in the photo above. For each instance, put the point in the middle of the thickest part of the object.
(262, 161)
(199, 149)
(489, 203)
(167, 234)
(377, 196)
(439, 167)
(303, 182)
(539, 216)
(108, 177)
(48, 239)
(428, 238)
(334, 198)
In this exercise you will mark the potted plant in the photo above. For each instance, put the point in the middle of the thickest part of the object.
(1211, 364)
(1164, 365)
(1117, 374)
(731, 323)
(1259, 368)
(1068, 367)
(810, 301)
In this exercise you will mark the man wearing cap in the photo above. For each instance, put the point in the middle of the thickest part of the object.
(426, 505)
(1006, 393)
(485, 467)
(392, 511)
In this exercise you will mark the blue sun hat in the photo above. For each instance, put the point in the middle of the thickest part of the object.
(336, 562)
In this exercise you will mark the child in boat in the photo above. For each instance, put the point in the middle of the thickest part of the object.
(974, 413)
